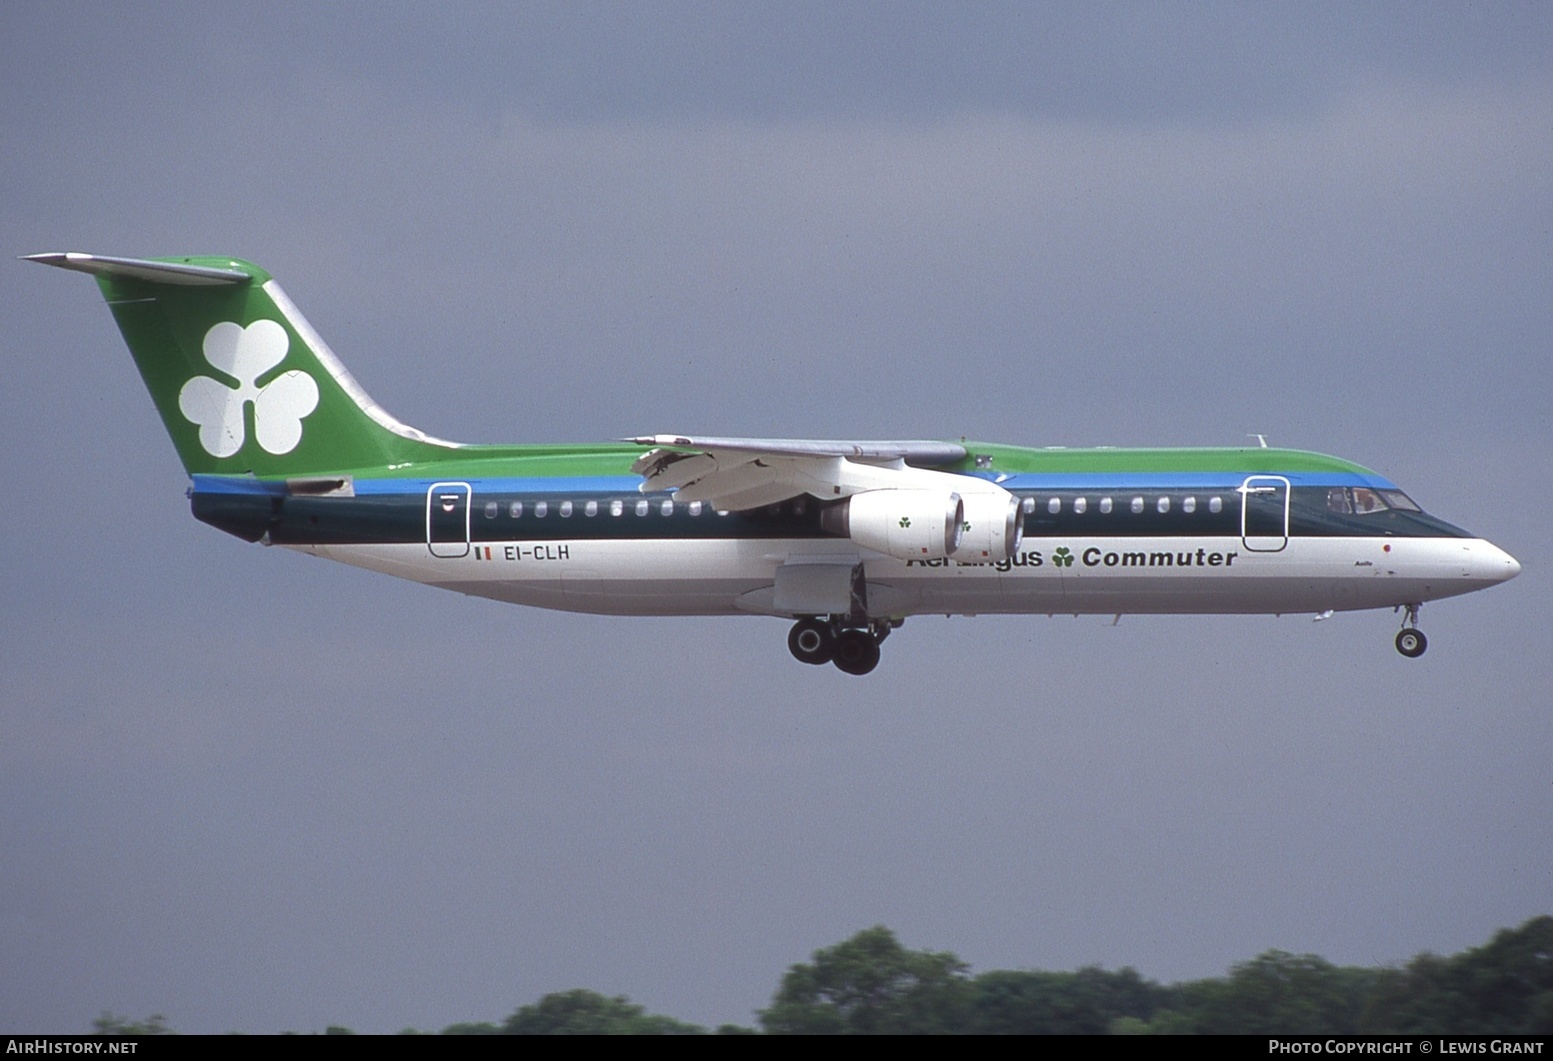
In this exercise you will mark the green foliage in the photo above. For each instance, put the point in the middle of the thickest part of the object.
(484, 1027)
(870, 984)
(113, 1024)
(1164, 1022)
(1278, 993)
(1087, 1002)
(582, 1012)
(1502, 988)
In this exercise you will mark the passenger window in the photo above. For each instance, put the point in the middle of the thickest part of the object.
(566, 509)
(540, 508)
(1080, 505)
(1215, 504)
(1163, 505)
(641, 508)
(591, 508)
(1189, 505)
(1137, 505)
(515, 510)
(1054, 506)
(1105, 506)
(1029, 505)
(616, 507)
(695, 508)
(667, 508)
(491, 508)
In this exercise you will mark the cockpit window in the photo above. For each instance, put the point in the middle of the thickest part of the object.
(1362, 510)
(1367, 502)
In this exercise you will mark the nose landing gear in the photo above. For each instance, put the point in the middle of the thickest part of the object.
(853, 649)
(1411, 641)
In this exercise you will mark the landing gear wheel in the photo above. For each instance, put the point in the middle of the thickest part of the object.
(1411, 642)
(810, 641)
(856, 652)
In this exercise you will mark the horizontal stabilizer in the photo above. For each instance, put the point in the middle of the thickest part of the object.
(143, 269)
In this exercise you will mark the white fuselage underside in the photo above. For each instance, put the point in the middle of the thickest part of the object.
(1048, 576)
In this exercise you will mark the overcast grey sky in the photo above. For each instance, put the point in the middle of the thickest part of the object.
(255, 791)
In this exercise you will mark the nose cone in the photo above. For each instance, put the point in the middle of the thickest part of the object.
(1492, 564)
(1512, 567)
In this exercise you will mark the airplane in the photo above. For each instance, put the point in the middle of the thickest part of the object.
(844, 539)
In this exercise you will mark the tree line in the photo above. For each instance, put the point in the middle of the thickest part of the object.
(871, 984)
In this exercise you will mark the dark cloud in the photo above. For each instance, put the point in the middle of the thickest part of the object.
(1128, 63)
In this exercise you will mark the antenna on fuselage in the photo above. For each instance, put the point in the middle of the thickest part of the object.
(1260, 439)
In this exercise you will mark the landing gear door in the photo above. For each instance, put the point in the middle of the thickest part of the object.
(1264, 513)
(447, 519)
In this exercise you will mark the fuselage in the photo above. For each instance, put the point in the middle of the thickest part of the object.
(845, 537)
(1108, 531)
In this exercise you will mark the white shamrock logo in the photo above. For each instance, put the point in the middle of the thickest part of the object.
(278, 406)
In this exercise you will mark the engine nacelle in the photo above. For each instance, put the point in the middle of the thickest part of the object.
(909, 524)
(994, 527)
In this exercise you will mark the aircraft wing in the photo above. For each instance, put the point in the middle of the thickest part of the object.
(745, 473)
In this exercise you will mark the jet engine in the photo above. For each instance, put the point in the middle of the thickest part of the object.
(909, 524)
(994, 526)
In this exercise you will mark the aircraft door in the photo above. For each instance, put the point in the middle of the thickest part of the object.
(447, 519)
(1264, 513)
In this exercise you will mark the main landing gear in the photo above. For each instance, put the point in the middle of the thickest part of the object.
(852, 648)
(1411, 641)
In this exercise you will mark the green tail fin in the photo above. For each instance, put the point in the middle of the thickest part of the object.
(241, 380)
